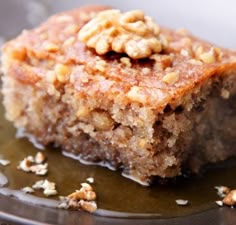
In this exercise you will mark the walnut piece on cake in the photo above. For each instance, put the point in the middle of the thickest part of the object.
(153, 114)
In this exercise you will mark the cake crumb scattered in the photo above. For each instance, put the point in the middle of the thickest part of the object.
(181, 202)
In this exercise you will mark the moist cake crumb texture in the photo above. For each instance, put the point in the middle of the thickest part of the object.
(151, 101)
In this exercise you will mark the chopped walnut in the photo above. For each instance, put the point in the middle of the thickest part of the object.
(83, 111)
(207, 57)
(230, 198)
(88, 206)
(34, 164)
(219, 203)
(40, 158)
(181, 202)
(162, 61)
(85, 193)
(62, 72)
(49, 188)
(126, 61)
(102, 120)
(195, 62)
(27, 190)
(213, 55)
(222, 191)
(69, 42)
(4, 162)
(225, 93)
(90, 180)
(100, 65)
(50, 47)
(39, 169)
(80, 199)
(135, 94)
(146, 70)
(171, 78)
(185, 53)
(25, 165)
(132, 33)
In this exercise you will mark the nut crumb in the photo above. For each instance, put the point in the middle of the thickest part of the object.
(62, 72)
(100, 65)
(49, 192)
(4, 162)
(132, 33)
(219, 203)
(40, 169)
(230, 198)
(27, 190)
(69, 42)
(90, 180)
(84, 199)
(50, 47)
(222, 191)
(40, 158)
(49, 188)
(181, 202)
(88, 206)
(146, 70)
(207, 57)
(171, 78)
(126, 61)
(102, 120)
(135, 94)
(184, 53)
(86, 187)
(25, 165)
(34, 164)
(225, 93)
(195, 62)
(213, 55)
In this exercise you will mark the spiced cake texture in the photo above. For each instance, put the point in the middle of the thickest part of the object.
(152, 103)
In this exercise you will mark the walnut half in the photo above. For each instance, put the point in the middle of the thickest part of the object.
(132, 33)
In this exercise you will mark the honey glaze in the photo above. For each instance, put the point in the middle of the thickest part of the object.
(117, 195)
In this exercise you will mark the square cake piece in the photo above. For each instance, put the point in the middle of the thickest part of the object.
(116, 89)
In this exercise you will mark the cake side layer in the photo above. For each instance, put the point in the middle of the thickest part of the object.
(184, 137)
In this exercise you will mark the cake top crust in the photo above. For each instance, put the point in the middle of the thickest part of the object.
(54, 50)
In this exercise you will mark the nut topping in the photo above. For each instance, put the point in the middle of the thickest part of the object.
(132, 33)
(84, 199)
(230, 198)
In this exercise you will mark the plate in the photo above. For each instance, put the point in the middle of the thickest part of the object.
(199, 17)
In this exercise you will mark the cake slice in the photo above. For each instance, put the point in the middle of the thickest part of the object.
(117, 89)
